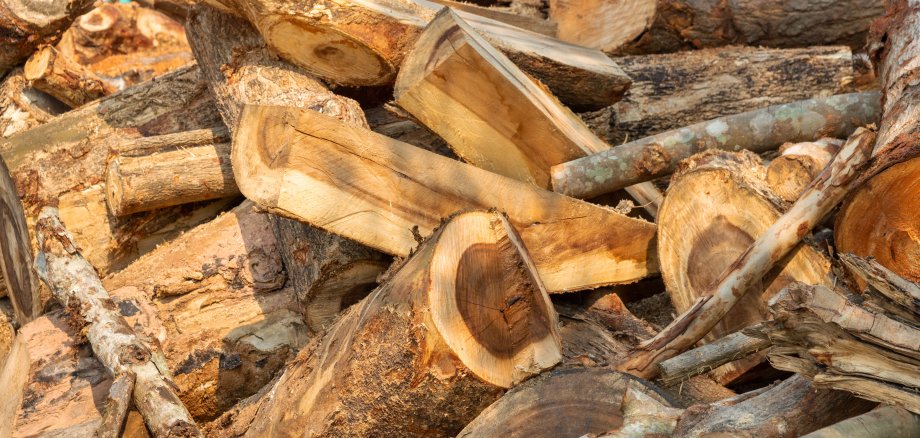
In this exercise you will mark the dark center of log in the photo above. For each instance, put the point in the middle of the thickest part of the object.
(714, 249)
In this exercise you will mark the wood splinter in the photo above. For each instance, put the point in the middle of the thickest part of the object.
(75, 284)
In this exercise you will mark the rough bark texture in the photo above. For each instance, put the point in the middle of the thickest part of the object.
(671, 91)
(23, 107)
(884, 285)
(760, 130)
(372, 189)
(703, 359)
(16, 274)
(25, 25)
(798, 164)
(601, 24)
(717, 205)
(116, 406)
(770, 247)
(77, 287)
(64, 79)
(887, 421)
(464, 318)
(695, 24)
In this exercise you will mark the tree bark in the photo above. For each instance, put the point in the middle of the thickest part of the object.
(695, 24)
(64, 79)
(389, 195)
(116, 406)
(887, 421)
(707, 357)
(18, 278)
(717, 205)
(26, 25)
(798, 164)
(23, 107)
(770, 247)
(418, 348)
(760, 130)
(343, 43)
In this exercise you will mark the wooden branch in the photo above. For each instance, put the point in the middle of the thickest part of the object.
(71, 83)
(887, 421)
(374, 190)
(26, 25)
(900, 291)
(418, 348)
(758, 131)
(116, 406)
(76, 286)
(799, 163)
(823, 195)
(704, 359)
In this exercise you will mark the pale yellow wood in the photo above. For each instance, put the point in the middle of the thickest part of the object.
(601, 24)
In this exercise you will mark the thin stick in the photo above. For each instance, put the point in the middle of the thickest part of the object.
(825, 192)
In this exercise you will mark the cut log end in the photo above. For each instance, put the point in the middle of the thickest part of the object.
(488, 302)
(39, 64)
(789, 174)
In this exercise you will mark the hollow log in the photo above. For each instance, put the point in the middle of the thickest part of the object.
(392, 199)
(464, 318)
(695, 24)
(23, 107)
(798, 164)
(759, 131)
(717, 205)
(343, 44)
(601, 24)
(64, 79)
(26, 25)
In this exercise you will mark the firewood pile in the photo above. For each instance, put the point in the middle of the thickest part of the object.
(522, 218)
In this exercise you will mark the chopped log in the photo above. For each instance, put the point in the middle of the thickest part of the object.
(798, 164)
(371, 188)
(116, 406)
(18, 279)
(26, 25)
(707, 357)
(181, 176)
(717, 205)
(533, 24)
(77, 287)
(465, 318)
(343, 44)
(71, 83)
(328, 272)
(521, 137)
(758, 131)
(887, 421)
(671, 91)
(899, 291)
(23, 107)
(695, 24)
(770, 247)
(601, 24)
(567, 402)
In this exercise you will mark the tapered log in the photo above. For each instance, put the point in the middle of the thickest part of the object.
(717, 205)
(328, 272)
(695, 24)
(26, 25)
(23, 107)
(707, 357)
(465, 318)
(770, 247)
(64, 79)
(566, 402)
(575, 245)
(601, 24)
(364, 43)
(798, 164)
(77, 287)
(671, 91)
(533, 24)
(758, 131)
(887, 421)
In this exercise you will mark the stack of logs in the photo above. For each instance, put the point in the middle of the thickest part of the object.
(549, 218)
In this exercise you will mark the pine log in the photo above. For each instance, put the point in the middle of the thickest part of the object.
(759, 131)
(328, 272)
(26, 25)
(601, 24)
(364, 42)
(887, 421)
(717, 205)
(71, 83)
(63, 163)
(798, 164)
(23, 107)
(773, 245)
(707, 357)
(695, 24)
(568, 402)
(533, 24)
(465, 318)
(671, 91)
(372, 189)
(77, 287)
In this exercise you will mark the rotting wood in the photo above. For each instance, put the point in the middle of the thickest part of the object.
(77, 287)
(26, 25)
(707, 357)
(886, 421)
(464, 318)
(825, 192)
(71, 83)
(798, 164)
(759, 130)
(575, 245)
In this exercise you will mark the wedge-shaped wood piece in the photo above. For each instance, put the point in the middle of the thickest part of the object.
(511, 125)
(383, 193)
(18, 279)
(463, 319)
